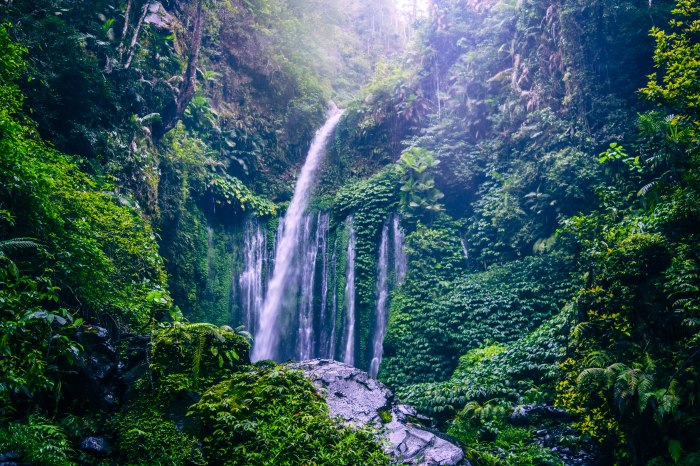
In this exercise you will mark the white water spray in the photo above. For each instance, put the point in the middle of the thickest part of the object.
(400, 260)
(251, 279)
(349, 348)
(267, 334)
(382, 310)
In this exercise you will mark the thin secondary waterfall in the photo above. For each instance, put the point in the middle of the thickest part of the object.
(400, 260)
(311, 244)
(321, 346)
(251, 279)
(349, 301)
(381, 310)
(267, 334)
(328, 339)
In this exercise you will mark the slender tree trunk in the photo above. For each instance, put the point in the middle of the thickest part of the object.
(135, 37)
(185, 92)
(125, 29)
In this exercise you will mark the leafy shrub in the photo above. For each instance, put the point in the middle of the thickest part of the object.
(495, 442)
(516, 374)
(103, 254)
(38, 441)
(145, 437)
(192, 353)
(36, 339)
(436, 319)
(273, 415)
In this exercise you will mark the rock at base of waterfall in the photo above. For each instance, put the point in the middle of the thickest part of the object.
(357, 399)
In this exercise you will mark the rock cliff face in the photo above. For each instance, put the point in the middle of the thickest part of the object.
(358, 399)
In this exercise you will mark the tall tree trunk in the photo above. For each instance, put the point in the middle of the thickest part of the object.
(127, 14)
(173, 112)
(135, 36)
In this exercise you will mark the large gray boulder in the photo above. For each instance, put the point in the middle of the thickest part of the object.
(358, 399)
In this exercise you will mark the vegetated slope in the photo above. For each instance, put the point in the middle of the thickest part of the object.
(524, 120)
(198, 110)
(528, 120)
(126, 129)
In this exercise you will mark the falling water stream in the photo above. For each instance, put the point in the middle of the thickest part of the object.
(288, 288)
(400, 260)
(311, 244)
(267, 333)
(251, 279)
(381, 310)
(349, 336)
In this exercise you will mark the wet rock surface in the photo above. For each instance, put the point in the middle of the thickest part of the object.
(95, 445)
(360, 400)
(10, 458)
(554, 425)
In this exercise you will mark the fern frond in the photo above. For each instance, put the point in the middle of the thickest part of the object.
(17, 244)
(597, 359)
(591, 379)
(646, 188)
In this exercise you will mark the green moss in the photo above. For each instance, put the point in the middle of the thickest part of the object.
(184, 246)
(273, 415)
(145, 436)
(183, 356)
(385, 415)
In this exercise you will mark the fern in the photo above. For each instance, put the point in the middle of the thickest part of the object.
(675, 450)
(17, 244)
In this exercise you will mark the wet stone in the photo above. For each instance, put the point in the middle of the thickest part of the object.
(357, 399)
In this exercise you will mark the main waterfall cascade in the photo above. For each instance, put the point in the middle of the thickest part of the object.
(268, 332)
(295, 284)
(320, 297)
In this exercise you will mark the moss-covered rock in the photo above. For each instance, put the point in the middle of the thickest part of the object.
(185, 356)
(146, 436)
(273, 415)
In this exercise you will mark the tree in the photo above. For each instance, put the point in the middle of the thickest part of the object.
(677, 56)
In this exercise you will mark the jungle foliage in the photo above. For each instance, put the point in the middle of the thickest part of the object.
(542, 156)
(545, 152)
(131, 143)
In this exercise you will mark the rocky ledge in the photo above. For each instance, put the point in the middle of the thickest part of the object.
(358, 399)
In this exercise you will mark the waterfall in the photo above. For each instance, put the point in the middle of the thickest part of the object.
(381, 311)
(250, 280)
(329, 338)
(464, 248)
(400, 260)
(311, 244)
(349, 301)
(267, 334)
(321, 347)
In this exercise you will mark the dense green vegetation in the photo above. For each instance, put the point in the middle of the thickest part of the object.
(542, 156)
(613, 235)
(119, 232)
